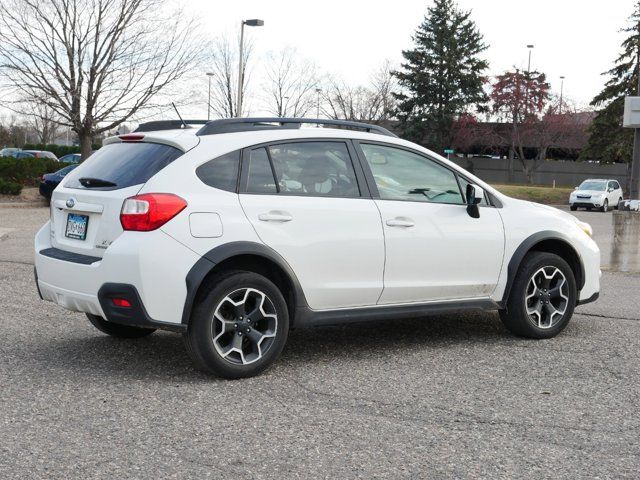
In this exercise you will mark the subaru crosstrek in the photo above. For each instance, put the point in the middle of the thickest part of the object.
(235, 232)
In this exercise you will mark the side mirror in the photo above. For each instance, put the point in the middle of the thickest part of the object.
(475, 195)
(576, 188)
(609, 189)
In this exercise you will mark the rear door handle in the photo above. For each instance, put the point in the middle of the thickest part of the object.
(275, 216)
(400, 222)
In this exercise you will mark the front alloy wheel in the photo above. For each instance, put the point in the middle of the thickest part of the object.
(547, 297)
(542, 297)
(239, 325)
(605, 205)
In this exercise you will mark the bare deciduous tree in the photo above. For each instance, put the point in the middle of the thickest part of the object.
(224, 79)
(44, 123)
(372, 103)
(290, 84)
(94, 63)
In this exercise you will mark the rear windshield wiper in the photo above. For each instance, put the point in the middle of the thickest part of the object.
(89, 182)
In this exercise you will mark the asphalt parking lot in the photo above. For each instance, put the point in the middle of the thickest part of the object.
(450, 396)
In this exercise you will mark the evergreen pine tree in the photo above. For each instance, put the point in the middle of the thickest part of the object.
(442, 76)
(608, 141)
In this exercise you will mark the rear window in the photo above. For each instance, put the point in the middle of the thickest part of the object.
(122, 165)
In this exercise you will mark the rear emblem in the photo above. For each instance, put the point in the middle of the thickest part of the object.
(70, 203)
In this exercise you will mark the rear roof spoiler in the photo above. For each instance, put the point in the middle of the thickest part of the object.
(167, 125)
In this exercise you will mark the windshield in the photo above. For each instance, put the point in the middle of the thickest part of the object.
(588, 185)
(121, 165)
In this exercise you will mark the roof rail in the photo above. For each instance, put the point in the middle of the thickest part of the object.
(167, 125)
(230, 125)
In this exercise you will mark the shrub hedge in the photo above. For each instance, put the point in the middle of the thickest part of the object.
(9, 188)
(26, 171)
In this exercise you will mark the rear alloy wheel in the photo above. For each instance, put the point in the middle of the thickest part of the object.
(239, 327)
(619, 203)
(118, 330)
(605, 206)
(542, 298)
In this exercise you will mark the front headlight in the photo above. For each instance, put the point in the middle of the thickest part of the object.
(585, 227)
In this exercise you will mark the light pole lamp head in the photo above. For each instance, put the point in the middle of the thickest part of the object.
(529, 46)
(210, 74)
(254, 22)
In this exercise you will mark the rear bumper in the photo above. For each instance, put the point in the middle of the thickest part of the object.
(153, 264)
(136, 314)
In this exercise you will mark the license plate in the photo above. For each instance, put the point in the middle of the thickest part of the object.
(77, 226)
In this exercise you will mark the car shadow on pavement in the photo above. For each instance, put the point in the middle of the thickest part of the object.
(163, 356)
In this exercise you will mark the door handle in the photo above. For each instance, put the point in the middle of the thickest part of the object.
(275, 216)
(400, 222)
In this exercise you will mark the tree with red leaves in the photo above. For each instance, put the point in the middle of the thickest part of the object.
(520, 98)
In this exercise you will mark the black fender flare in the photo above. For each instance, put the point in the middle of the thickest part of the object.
(213, 257)
(525, 246)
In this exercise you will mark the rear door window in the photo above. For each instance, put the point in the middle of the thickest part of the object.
(314, 169)
(121, 165)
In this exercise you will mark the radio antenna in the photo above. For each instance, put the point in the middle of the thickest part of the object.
(184, 125)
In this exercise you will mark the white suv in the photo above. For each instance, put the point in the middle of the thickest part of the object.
(234, 233)
(596, 193)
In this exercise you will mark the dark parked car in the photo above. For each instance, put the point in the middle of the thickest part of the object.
(49, 181)
(36, 154)
(71, 158)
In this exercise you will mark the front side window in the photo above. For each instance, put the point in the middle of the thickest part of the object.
(314, 169)
(403, 175)
(221, 172)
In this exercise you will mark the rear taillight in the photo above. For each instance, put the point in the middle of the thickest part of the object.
(149, 211)
(121, 302)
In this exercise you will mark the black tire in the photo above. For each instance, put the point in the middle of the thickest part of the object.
(605, 206)
(573, 208)
(619, 203)
(515, 316)
(118, 330)
(206, 339)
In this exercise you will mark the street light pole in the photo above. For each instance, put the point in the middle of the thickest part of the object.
(526, 96)
(318, 92)
(250, 23)
(209, 74)
(561, 91)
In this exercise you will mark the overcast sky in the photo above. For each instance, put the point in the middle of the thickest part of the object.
(351, 38)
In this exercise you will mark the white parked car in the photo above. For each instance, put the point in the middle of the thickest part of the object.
(234, 233)
(596, 193)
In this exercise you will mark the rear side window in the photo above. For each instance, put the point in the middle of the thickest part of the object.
(221, 172)
(121, 165)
